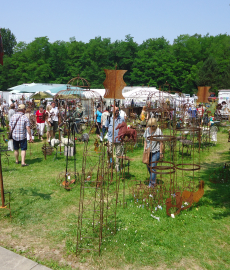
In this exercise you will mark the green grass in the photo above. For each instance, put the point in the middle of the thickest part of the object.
(45, 217)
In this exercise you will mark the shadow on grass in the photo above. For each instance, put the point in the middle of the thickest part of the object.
(34, 192)
(217, 194)
(34, 160)
(6, 169)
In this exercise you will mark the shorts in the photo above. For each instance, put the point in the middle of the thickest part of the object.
(98, 128)
(20, 144)
(48, 127)
(55, 126)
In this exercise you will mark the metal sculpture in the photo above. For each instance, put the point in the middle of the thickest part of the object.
(3, 193)
(186, 197)
(47, 150)
(68, 180)
(114, 83)
(125, 132)
(97, 204)
(203, 94)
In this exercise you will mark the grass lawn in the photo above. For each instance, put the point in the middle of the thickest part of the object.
(45, 217)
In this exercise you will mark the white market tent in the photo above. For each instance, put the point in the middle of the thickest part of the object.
(18, 88)
(37, 87)
(140, 95)
(27, 89)
(100, 91)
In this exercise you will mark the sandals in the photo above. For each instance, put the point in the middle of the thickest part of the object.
(24, 165)
(17, 162)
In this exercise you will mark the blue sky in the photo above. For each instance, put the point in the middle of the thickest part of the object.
(87, 19)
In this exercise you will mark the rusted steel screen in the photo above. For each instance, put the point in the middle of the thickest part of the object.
(203, 93)
(114, 83)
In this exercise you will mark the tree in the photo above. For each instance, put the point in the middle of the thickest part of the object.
(123, 53)
(8, 40)
(208, 72)
(154, 64)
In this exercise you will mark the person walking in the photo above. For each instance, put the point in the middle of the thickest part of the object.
(5, 107)
(40, 121)
(104, 117)
(10, 114)
(123, 114)
(11, 111)
(156, 148)
(54, 117)
(31, 118)
(48, 123)
(98, 122)
(19, 124)
(118, 146)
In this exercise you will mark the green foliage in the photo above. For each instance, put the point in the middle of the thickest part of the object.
(190, 61)
(8, 40)
(207, 74)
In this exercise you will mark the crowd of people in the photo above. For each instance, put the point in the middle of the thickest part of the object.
(22, 121)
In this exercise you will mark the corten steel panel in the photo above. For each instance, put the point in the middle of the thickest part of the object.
(203, 94)
(114, 83)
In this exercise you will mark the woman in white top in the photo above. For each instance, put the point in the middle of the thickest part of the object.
(11, 111)
(156, 148)
(10, 114)
(48, 123)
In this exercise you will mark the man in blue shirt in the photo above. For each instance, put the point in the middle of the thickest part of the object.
(118, 146)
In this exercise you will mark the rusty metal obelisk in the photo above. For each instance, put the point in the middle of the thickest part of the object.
(114, 83)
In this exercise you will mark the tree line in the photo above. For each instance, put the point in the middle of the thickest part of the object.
(189, 62)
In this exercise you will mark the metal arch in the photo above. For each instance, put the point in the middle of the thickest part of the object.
(148, 94)
(81, 82)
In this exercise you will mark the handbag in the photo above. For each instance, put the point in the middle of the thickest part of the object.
(146, 154)
(10, 135)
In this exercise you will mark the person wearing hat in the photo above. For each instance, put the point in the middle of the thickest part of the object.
(156, 148)
(40, 114)
(20, 124)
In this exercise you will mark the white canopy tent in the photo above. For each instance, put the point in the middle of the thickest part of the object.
(141, 95)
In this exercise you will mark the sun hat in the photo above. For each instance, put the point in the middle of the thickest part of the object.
(21, 106)
(152, 122)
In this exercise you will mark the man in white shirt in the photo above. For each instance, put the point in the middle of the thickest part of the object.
(54, 116)
(123, 114)
(104, 118)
